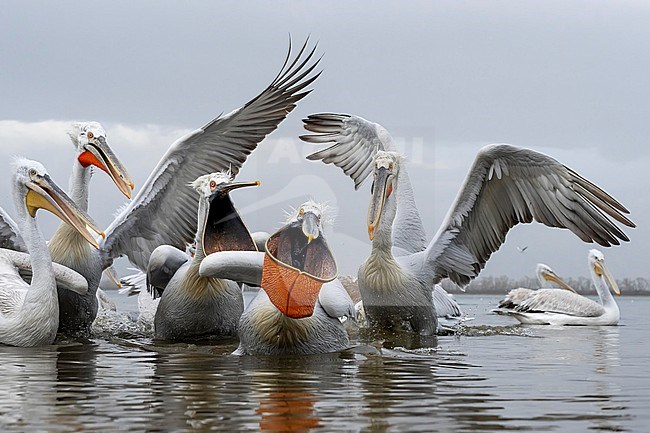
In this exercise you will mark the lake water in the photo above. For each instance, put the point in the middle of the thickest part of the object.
(495, 375)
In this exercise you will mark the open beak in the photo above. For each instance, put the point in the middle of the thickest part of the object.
(310, 226)
(559, 281)
(224, 229)
(382, 189)
(601, 270)
(99, 154)
(296, 264)
(45, 194)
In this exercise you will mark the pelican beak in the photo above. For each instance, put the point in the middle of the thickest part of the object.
(224, 229)
(601, 270)
(99, 154)
(43, 193)
(228, 187)
(310, 226)
(296, 264)
(559, 281)
(381, 190)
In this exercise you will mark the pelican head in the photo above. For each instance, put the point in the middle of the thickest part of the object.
(222, 227)
(298, 261)
(386, 171)
(311, 217)
(35, 186)
(92, 149)
(597, 264)
(545, 274)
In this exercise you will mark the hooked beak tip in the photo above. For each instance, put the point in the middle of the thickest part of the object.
(131, 185)
(258, 183)
(103, 235)
(371, 231)
(309, 239)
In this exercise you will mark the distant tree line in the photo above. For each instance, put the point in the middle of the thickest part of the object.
(583, 285)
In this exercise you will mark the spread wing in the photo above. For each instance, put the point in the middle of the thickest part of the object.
(356, 141)
(165, 209)
(562, 302)
(506, 186)
(9, 234)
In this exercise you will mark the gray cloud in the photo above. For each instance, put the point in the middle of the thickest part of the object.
(445, 78)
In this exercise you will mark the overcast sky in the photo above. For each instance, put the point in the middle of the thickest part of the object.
(567, 78)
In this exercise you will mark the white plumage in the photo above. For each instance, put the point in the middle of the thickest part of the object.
(29, 313)
(564, 307)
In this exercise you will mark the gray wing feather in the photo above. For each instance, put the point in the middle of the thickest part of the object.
(356, 141)
(10, 237)
(562, 302)
(335, 300)
(506, 186)
(515, 297)
(165, 209)
(445, 304)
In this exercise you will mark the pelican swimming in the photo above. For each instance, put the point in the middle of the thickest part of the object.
(29, 313)
(547, 278)
(564, 307)
(298, 309)
(192, 305)
(164, 210)
(505, 186)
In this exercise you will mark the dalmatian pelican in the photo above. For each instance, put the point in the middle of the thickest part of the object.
(547, 278)
(29, 313)
(163, 212)
(298, 309)
(195, 306)
(564, 307)
(505, 186)
(67, 246)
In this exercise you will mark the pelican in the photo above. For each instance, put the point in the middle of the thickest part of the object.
(29, 313)
(298, 309)
(505, 186)
(564, 307)
(163, 212)
(192, 305)
(547, 278)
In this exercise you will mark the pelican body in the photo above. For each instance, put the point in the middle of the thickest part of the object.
(299, 321)
(29, 313)
(505, 186)
(194, 306)
(565, 307)
(67, 246)
(547, 278)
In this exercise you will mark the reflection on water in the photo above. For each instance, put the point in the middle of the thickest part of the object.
(493, 376)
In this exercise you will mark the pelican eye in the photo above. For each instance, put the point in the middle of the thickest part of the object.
(32, 172)
(90, 135)
(213, 185)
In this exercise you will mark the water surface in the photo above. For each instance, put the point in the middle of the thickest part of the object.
(494, 375)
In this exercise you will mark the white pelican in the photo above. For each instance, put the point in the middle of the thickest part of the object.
(164, 210)
(29, 313)
(505, 186)
(298, 309)
(193, 306)
(547, 278)
(564, 307)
